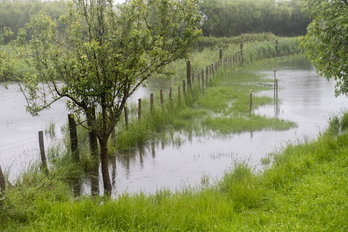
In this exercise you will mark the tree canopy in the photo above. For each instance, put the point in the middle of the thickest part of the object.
(104, 54)
(231, 18)
(221, 18)
(326, 42)
(15, 14)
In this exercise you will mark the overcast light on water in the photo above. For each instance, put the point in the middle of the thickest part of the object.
(305, 98)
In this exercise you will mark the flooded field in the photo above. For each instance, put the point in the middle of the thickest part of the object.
(305, 98)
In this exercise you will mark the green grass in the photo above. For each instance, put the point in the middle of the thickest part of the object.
(256, 47)
(304, 189)
(227, 125)
(227, 104)
(224, 107)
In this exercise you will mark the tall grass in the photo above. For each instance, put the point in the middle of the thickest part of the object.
(304, 189)
(294, 194)
(255, 47)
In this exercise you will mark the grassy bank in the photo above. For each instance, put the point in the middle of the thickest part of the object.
(206, 52)
(255, 47)
(223, 108)
(305, 189)
(242, 201)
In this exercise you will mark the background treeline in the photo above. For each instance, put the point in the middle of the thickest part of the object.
(15, 14)
(221, 18)
(225, 18)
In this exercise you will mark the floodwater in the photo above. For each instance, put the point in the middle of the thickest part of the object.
(305, 98)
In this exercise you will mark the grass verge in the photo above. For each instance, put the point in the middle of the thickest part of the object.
(304, 189)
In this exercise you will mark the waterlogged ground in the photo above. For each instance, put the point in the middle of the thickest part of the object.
(305, 98)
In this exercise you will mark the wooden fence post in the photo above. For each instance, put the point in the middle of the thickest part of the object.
(93, 143)
(276, 48)
(188, 73)
(202, 74)
(126, 115)
(220, 54)
(184, 87)
(199, 81)
(241, 53)
(203, 85)
(139, 109)
(92, 137)
(73, 138)
(275, 88)
(151, 103)
(251, 102)
(161, 98)
(42, 153)
(170, 94)
(207, 73)
(179, 92)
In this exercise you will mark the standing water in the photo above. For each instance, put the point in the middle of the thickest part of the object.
(305, 98)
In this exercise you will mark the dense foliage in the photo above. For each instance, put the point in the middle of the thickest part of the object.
(326, 41)
(15, 14)
(303, 190)
(102, 57)
(220, 18)
(230, 18)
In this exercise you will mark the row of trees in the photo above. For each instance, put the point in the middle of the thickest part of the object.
(220, 18)
(225, 18)
(16, 14)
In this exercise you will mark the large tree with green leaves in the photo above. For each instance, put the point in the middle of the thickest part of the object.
(326, 41)
(104, 54)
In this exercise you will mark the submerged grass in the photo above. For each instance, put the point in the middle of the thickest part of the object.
(304, 189)
(242, 124)
(223, 108)
(292, 195)
(227, 103)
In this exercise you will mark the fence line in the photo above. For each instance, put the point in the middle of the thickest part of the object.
(200, 79)
(17, 158)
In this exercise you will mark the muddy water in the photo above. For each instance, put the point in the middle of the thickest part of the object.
(305, 98)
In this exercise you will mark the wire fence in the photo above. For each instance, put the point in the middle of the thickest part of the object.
(18, 156)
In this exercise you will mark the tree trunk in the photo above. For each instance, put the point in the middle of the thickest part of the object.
(104, 166)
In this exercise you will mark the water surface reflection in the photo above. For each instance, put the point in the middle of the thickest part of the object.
(305, 98)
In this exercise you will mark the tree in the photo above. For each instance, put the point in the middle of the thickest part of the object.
(106, 52)
(326, 41)
(235, 17)
(6, 70)
(15, 14)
